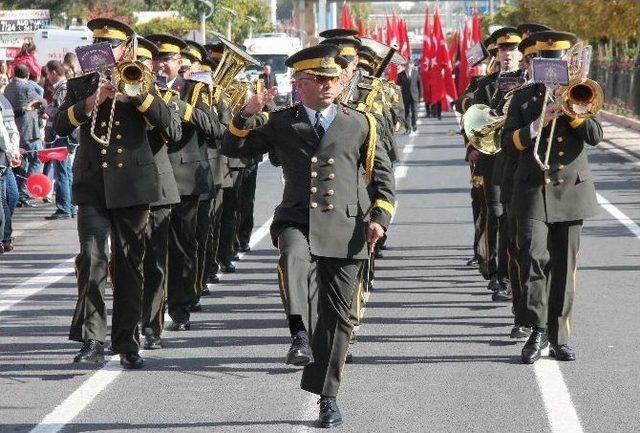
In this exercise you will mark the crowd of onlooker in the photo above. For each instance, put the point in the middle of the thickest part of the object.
(30, 95)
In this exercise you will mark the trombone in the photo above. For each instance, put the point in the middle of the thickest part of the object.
(129, 77)
(582, 98)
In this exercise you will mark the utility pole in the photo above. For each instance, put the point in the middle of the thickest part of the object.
(234, 13)
(203, 20)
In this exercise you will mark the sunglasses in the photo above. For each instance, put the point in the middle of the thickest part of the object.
(318, 79)
(113, 42)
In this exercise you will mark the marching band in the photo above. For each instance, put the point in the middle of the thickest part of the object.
(168, 152)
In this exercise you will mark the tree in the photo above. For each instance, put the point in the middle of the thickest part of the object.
(172, 26)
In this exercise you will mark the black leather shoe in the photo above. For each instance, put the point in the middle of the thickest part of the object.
(562, 352)
(330, 415)
(503, 294)
(349, 358)
(92, 351)
(131, 361)
(378, 254)
(235, 257)
(205, 291)
(520, 333)
(227, 267)
(195, 307)
(58, 216)
(383, 247)
(494, 284)
(300, 351)
(473, 261)
(180, 326)
(532, 350)
(213, 279)
(151, 342)
(245, 248)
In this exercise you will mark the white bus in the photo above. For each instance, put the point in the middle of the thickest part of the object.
(54, 43)
(273, 49)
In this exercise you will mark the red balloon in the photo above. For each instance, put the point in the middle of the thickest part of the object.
(39, 185)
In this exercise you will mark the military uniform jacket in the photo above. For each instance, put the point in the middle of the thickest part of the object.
(190, 165)
(169, 193)
(566, 191)
(123, 172)
(325, 188)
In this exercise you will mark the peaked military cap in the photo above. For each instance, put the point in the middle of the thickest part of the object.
(196, 50)
(208, 65)
(348, 46)
(527, 29)
(506, 36)
(146, 49)
(490, 45)
(338, 33)
(367, 62)
(111, 30)
(316, 60)
(215, 49)
(548, 43)
(187, 57)
(167, 44)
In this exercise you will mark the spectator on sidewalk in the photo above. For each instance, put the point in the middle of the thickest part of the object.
(61, 169)
(4, 75)
(8, 186)
(70, 63)
(25, 102)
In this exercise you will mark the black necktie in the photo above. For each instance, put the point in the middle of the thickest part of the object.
(318, 126)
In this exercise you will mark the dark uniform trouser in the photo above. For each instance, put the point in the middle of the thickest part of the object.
(155, 269)
(203, 232)
(548, 263)
(495, 265)
(127, 229)
(183, 245)
(210, 264)
(321, 289)
(514, 266)
(296, 276)
(247, 198)
(229, 219)
(475, 209)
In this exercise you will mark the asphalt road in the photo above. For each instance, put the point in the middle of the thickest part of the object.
(433, 356)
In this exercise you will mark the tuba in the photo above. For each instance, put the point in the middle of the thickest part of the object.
(234, 59)
(129, 77)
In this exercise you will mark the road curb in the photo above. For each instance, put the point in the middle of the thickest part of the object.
(619, 120)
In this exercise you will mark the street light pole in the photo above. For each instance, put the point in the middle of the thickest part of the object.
(235, 15)
(203, 20)
(253, 20)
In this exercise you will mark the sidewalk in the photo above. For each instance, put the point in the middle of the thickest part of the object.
(622, 133)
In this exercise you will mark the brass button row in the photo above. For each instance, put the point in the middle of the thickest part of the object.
(330, 161)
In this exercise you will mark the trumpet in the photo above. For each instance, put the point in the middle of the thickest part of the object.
(582, 98)
(130, 78)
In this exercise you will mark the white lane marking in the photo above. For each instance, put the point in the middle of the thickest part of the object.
(561, 413)
(619, 215)
(98, 381)
(401, 170)
(10, 297)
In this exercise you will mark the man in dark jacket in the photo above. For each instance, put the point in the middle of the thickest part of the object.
(26, 102)
(411, 87)
(115, 179)
(326, 223)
